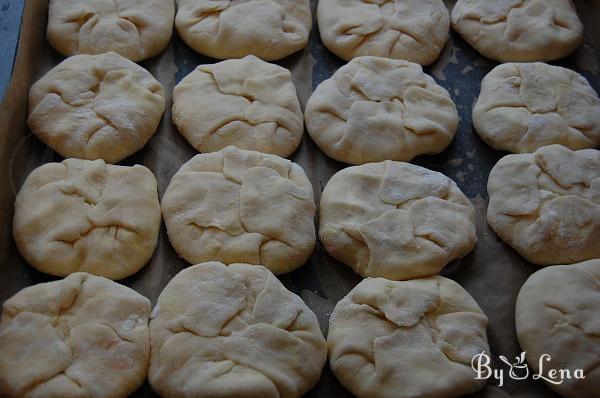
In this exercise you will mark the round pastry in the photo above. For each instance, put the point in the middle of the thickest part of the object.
(413, 30)
(233, 331)
(237, 205)
(523, 107)
(546, 204)
(375, 109)
(96, 107)
(83, 336)
(82, 215)
(395, 220)
(562, 329)
(519, 30)
(135, 29)
(269, 29)
(407, 339)
(248, 103)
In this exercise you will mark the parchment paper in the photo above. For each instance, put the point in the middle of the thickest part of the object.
(493, 273)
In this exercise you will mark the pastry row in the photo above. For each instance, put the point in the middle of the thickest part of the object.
(370, 110)
(413, 30)
(389, 219)
(236, 331)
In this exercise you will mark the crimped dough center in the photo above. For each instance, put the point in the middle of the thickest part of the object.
(83, 336)
(547, 204)
(215, 325)
(80, 215)
(269, 29)
(519, 30)
(248, 103)
(563, 325)
(407, 339)
(413, 30)
(523, 107)
(375, 109)
(395, 220)
(136, 29)
(96, 107)
(238, 205)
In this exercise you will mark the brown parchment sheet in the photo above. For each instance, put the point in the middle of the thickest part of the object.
(493, 273)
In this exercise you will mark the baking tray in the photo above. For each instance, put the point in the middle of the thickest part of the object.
(493, 273)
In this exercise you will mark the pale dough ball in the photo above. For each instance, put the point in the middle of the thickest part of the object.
(241, 206)
(407, 339)
(269, 29)
(82, 215)
(557, 315)
(395, 220)
(96, 107)
(546, 204)
(135, 29)
(248, 103)
(80, 337)
(519, 30)
(233, 331)
(375, 109)
(523, 107)
(413, 30)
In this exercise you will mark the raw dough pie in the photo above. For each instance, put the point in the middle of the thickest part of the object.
(269, 29)
(523, 107)
(546, 204)
(241, 206)
(233, 331)
(395, 220)
(564, 324)
(413, 30)
(519, 30)
(80, 337)
(136, 29)
(248, 103)
(96, 107)
(375, 109)
(407, 339)
(82, 215)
